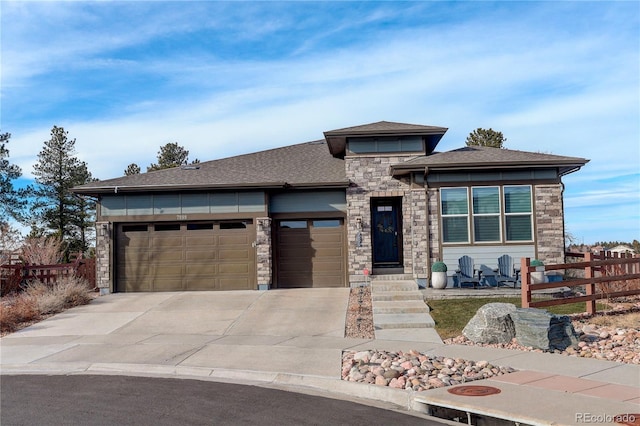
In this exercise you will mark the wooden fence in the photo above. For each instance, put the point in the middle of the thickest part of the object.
(12, 276)
(606, 275)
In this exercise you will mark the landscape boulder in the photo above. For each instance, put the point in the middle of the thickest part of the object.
(540, 329)
(492, 323)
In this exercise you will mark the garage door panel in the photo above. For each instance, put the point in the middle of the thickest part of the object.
(171, 270)
(193, 256)
(325, 267)
(164, 242)
(233, 268)
(327, 281)
(200, 255)
(293, 236)
(166, 256)
(138, 242)
(200, 242)
(297, 253)
(233, 239)
(226, 254)
(334, 252)
(322, 237)
(168, 284)
(299, 267)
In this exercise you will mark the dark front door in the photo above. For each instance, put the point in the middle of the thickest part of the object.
(386, 221)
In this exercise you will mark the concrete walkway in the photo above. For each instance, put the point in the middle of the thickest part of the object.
(294, 339)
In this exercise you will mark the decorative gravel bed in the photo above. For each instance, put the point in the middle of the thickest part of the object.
(414, 370)
(359, 322)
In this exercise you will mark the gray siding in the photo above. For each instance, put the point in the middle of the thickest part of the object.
(498, 176)
(172, 204)
(308, 201)
(485, 255)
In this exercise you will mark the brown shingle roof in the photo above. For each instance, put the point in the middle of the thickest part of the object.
(303, 165)
(480, 157)
(386, 127)
(337, 139)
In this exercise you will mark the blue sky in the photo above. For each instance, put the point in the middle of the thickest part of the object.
(225, 78)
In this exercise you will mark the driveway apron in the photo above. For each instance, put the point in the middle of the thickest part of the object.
(268, 331)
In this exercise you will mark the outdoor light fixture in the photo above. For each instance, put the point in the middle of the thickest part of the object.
(359, 223)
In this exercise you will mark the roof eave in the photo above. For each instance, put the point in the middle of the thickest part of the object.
(170, 187)
(563, 168)
(115, 189)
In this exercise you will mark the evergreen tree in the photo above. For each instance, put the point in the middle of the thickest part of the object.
(171, 155)
(484, 137)
(132, 169)
(56, 208)
(12, 201)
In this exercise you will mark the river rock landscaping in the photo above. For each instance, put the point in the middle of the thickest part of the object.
(414, 370)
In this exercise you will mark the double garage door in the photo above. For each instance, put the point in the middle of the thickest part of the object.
(185, 256)
(220, 255)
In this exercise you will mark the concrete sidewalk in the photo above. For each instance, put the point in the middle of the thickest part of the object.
(294, 339)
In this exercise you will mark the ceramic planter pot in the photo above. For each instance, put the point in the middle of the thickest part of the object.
(439, 280)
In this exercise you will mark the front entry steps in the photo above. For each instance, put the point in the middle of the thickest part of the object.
(399, 311)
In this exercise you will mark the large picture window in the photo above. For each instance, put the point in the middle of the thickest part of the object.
(495, 214)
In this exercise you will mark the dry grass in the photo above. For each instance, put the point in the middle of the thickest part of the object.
(16, 310)
(38, 300)
(625, 320)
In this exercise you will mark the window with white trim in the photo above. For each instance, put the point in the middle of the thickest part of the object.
(496, 214)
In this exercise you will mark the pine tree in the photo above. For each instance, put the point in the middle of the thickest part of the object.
(484, 137)
(170, 155)
(12, 201)
(132, 169)
(56, 208)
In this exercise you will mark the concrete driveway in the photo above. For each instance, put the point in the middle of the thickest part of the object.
(297, 331)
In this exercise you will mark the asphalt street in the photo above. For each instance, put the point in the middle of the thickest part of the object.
(127, 400)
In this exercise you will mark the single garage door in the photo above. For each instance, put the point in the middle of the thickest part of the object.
(185, 256)
(310, 253)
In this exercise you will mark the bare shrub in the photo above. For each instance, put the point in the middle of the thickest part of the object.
(66, 293)
(42, 250)
(74, 291)
(47, 301)
(17, 310)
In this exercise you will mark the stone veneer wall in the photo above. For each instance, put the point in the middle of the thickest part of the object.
(103, 255)
(549, 223)
(369, 177)
(434, 226)
(263, 252)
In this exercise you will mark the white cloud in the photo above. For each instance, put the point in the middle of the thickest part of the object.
(536, 72)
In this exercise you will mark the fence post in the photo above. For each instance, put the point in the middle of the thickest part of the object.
(525, 280)
(591, 287)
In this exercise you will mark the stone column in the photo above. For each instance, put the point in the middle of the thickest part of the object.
(264, 259)
(549, 223)
(103, 257)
